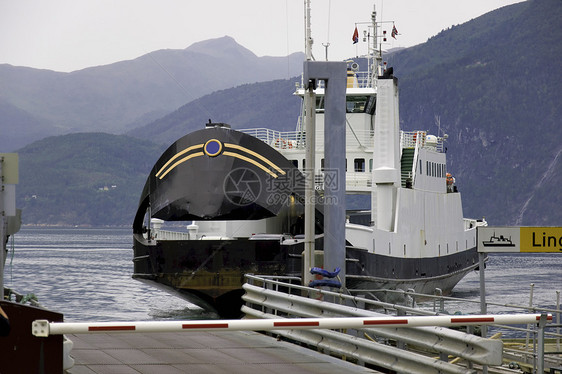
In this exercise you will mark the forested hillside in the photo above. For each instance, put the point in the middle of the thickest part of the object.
(85, 179)
(494, 85)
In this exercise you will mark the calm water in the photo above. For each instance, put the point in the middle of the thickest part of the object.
(86, 275)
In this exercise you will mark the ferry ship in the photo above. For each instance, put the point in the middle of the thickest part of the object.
(241, 194)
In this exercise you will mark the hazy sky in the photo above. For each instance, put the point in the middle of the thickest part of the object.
(67, 35)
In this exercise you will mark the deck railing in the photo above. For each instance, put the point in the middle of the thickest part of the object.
(297, 139)
(354, 139)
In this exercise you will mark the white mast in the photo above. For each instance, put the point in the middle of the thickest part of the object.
(307, 32)
(386, 154)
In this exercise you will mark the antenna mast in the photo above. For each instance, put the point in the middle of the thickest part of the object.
(308, 32)
(374, 52)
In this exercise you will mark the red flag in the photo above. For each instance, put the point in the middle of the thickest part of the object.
(355, 36)
(394, 32)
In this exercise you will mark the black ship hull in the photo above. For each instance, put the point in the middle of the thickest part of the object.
(218, 174)
(210, 273)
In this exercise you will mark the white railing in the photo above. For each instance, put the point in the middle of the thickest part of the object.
(353, 139)
(169, 235)
(297, 139)
(278, 139)
(411, 139)
(360, 77)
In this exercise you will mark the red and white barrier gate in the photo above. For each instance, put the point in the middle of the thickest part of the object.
(44, 328)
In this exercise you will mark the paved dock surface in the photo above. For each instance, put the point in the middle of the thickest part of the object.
(198, 352)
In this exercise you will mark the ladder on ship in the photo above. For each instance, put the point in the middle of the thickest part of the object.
(406, 163)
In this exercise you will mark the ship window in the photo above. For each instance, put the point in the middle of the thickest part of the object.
(295, 163)
(356, 104)
(319, 103)
(427, 168)
(371, 165)
(371, 105)
(304, 163)
(322, 165)
(359, 165)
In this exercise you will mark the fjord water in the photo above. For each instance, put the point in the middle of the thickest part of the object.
(86, 275)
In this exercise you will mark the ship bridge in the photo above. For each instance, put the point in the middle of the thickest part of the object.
(359, 145)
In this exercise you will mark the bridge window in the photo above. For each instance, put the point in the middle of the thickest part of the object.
(359, 165)
(371, 105)
(356, 104)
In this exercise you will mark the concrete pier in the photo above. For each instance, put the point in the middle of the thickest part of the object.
(199, 352)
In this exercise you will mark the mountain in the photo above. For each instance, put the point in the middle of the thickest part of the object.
(267, 104)
(91, 179)
(113, 98)
(492, 84)
(20, 127)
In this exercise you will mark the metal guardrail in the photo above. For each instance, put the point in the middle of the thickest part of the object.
(262, 301)
(434, 339)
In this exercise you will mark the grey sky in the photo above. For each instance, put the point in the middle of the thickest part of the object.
(66, 35)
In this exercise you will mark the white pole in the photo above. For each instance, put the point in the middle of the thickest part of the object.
(310, 157)
(558, 321)
(530, 306)
(309, 195)
(44, 328)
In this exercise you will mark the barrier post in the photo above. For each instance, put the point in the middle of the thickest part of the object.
(540, 343)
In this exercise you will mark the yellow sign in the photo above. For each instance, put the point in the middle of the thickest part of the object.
(541, 239)
(519, 239)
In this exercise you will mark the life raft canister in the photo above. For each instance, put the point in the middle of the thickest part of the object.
(280, 143)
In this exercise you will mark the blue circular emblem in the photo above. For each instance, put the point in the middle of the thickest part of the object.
(212, 148)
